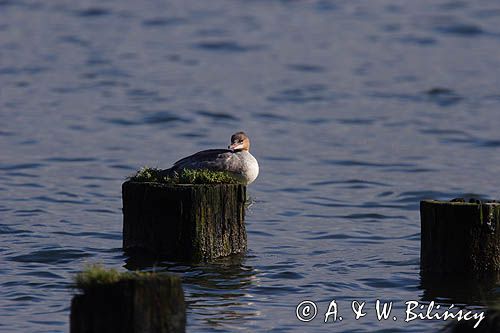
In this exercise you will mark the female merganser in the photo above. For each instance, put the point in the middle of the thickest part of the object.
(236, 160)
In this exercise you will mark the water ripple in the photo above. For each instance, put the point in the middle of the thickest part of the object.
(372, 216)
(93, 12)
(75, 40)
(226, 46)
(162, 117)
(350, 182)
(33, 70)
(64, 159)
(367, 164)
(352, 127)
(5, 229)
(418, 40)
(416, 196)
(164, 21)
(443, 96)
(304, 94)
(45, 198)
(21, 166)
(460, 29)
(217, 115)
(307, 68)
(51, 256)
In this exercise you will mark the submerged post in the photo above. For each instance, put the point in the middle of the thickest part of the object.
(459, 236)
(193, 222)
(127, 303)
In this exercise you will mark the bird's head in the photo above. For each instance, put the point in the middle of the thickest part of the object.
(239, 142)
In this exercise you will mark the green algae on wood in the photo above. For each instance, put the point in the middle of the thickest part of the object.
(189, 222)
(128, 302)
(186, 176)
(460, 237)
(96, 275)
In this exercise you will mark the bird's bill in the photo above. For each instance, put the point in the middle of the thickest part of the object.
(235, 146)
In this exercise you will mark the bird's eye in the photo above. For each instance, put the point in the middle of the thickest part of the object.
(241, 141)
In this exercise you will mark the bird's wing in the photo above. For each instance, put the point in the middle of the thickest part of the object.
(207, 159)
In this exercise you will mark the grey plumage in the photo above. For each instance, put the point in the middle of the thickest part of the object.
(238, 161)
(210, 159)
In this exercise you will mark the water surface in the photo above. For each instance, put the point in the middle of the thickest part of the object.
(356, 110)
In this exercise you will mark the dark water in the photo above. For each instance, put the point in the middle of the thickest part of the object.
(356, 110)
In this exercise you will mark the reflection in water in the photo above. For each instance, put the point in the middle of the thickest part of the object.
(216, 292)
(467, 292)
(460, 289)
(490, 324)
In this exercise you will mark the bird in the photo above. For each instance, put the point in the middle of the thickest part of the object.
(236, 160)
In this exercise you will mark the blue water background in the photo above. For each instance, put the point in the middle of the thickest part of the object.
(357, 110)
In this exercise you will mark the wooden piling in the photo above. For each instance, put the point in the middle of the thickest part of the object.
(195, 222)
(151, 303)
(460, 237)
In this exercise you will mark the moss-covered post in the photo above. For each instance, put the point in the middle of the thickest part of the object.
(194, 222)
(128, 303)
(460, 237)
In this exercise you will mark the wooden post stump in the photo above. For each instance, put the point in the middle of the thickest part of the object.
(184, 222)
(459, 236)
(145, 304)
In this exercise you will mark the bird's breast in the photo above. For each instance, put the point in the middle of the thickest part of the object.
(249, 167)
